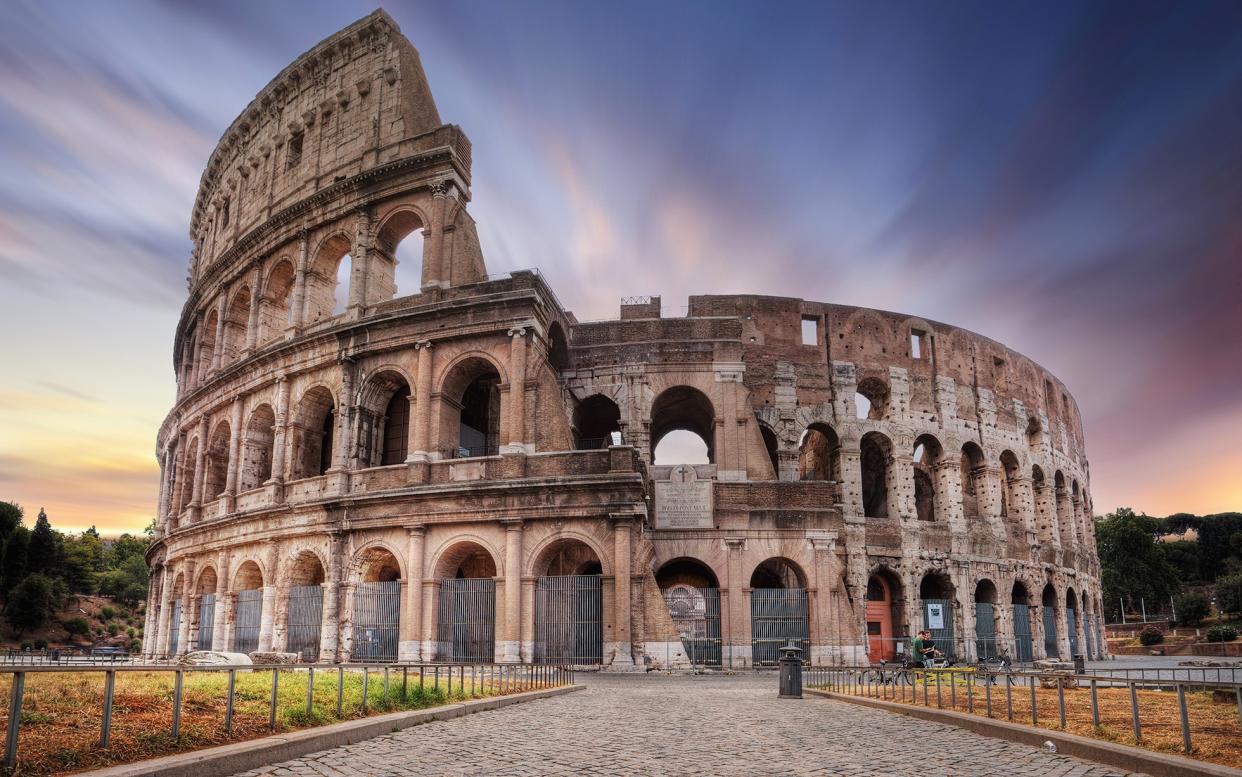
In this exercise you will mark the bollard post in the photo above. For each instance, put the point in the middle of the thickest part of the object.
(386, 688)
(109, 689)
(310, 694)
(1061, 701)
(405, 679)
(340, 692)
(987, 693)
(176, 720)
(1095, 705)
(228, 706)
(271, 713)
(15, 717)
(939, 696)
(791, 672)
(1134, 715)
(366, 680)
(1181, 708)
(1034, 706)
(970, 695)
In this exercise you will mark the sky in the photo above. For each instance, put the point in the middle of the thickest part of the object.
(1065, 178)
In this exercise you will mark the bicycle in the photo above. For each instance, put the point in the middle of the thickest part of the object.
(989, 670)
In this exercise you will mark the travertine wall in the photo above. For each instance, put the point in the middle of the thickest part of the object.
(465, 430)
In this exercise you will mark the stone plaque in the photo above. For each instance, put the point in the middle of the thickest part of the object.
(683, 501)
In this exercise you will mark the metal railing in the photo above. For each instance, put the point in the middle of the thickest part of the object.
(926, 687)
(485, 678)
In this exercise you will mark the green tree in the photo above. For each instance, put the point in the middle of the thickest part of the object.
(1185, 559)
(1191, 609)
(82, 558)
(1229, 594)
(1216, 548)
(43, 555)
(1131, 564)
(127, 583)
(30, 604)
(10, 519)
(125, 547)
(15, 552)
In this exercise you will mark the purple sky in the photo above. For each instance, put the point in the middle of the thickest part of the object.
(1065, 178)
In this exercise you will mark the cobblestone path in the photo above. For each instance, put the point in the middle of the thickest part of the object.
(686, 725)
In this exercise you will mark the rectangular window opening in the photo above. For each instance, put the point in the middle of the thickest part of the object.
(918, 344)
(810, 330)
(295, 149)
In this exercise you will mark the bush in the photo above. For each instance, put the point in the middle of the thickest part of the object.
(1222, 634)
(27, 644)
(40, 644)
(135, 646)
(107, 613)
(113, 629)
(1191, 609)
(78, 627)
(131, 633)
(1151, 635)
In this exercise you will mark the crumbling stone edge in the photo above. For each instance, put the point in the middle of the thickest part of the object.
(251, 754)
(1133, 759)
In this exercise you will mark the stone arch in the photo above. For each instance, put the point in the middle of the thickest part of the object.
(1019, 593)
(819, 453)
(399, 243)
(985, 591)
(885, 621)
(686, 571)
(1010, 505)
(597, 423)
(305, 567)
(206, 580)
(257, 448)
(236, 322)
(871, 399)
(314, 427)
(384, 417)
(558, 347)
(376, 562)
(771, 446)
(569, 553)
(470, 406)
(778, 572)
(875, 458)
(1034, 433)
(324, 298)
(927, 457)
(207, 343)
(216, 462)
(683, 408)
(276, 301)
(973, 464)
(248, 576)
(468, 556)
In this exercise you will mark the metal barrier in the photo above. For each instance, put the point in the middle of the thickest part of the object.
(485, 678)
(931, 686)
(569, 615)
(778, 616)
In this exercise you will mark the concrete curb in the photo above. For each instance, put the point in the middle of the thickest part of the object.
(224, 760)
(1132, 759)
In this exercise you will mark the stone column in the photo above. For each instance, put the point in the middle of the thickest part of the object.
(621, 531)
(176, 498)
(509, 648)
(528, 619)
(517, 391)
(434, 276)
(851, 478)
(256, 302)
(344, 620)
(1063, 644)
(420, 443)
(161, 507)
(737, 641)
(160, 646)
(218, 352)
(267, 618)
(341, 438)
(360, 271)
(901, 486)
(412, 595)
(299, 285)
(431, 595)
(987, 487)
(329, 634)
(280, 434)
(218, 620)
(1065, 519)
(235, 438)
(183, 634)
(200, 461)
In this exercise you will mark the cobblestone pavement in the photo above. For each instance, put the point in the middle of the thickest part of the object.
(657, 725)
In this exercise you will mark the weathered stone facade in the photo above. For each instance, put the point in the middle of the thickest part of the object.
(476, 430)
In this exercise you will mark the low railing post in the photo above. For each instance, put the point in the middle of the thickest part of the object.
(939, 696)
(1238, 693)
(1181, 708)
(271, 713)
(405, 680)
(1034, 704)
(970, 694)
(176, 718)
(1095, 705)
(987, 692)
(386, 704)
(15, 717)
(228, 707)
(1134, 714)
(450, 682)
(310, 694)
(366, 682)
(109, 689)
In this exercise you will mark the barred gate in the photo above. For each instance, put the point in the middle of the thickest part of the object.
(467, 623)
(1022, 633)
(942, 636)
(696, 614)
(174, 628)
(1050, 633)
(246, 620)
(206, 621)
(569, 625)
(377, 616)
(985, 630)
(778, 616)
(1071, 621)
(305, 619)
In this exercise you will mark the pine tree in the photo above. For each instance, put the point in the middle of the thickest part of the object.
(15, 552)
(43, 546)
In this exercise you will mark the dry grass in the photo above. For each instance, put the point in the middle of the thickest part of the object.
(1216, 732)
(62, 714)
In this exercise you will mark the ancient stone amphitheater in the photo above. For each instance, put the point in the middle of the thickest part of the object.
(464, 471)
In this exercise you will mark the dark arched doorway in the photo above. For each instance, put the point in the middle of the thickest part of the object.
(692, 594)
(883, 616)
(778, 611)
(569, 605)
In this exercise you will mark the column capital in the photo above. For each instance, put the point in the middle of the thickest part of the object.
(735, 543)
(423, 345)
(417, 530)
(517, 331)
(512, 524)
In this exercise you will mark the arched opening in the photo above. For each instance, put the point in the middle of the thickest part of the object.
(377, 606)
(235, 322)
(1022, 641)
(276, 304)
(188, 465)
(558, 347)
(466, 623)
(174, 616)
(327, 284)
(257, 448)
(986, 616)
(692, 595)
(875, 451)
(207, 344)
(304, 605)
(871, 399)
(470, 424)
(569, 605)
(313, 429)
(682, 409)
(927, 454)
(383, 420)
(397, 266)
(936, 593)
(771, 445)
(1010, 504)
(819, 454)
(597, 423)
(216, 466)
(779, 613)
(206, 590)
(972, 476)
(1076, 513)
(1071, 620)
(340, 289)
(247, 607)
(1034, 433)
(884, 620)
(1049, 601)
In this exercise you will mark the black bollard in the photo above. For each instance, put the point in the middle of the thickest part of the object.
(791, 672)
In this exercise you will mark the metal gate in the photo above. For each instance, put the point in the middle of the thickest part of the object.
(696, 614)
(1071, 621)
(778, 616)
(305, 620)
(985, 630)
(569, 625)
(174, 628)
(1050, 633)
(377, 617)
(206, 621)
(467, 623)
(246, 621)
(1022, 633)
(938, 619)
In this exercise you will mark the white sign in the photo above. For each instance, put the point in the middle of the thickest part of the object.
(683, 501)
(935, 616)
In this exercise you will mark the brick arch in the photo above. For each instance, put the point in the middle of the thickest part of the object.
(248, 571)
(540, 555)
(458, 547)
(367, 562)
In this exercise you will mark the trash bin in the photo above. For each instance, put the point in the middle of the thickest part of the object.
(791, 672)
(1080, 664)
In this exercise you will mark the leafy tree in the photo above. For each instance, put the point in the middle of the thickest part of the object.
(1216, 546)
(1131, 564)
(43, 555)
(127, 583)
(1229, 594)
(78, 627)
(30, 603)
(15, 553)
(78, 568)
(10, 519)
(1184, 557)
(1191, 609)
(125, 547)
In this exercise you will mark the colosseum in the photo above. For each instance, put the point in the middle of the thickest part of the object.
(463, 471)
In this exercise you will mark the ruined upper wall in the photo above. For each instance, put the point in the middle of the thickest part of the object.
(342, 107)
